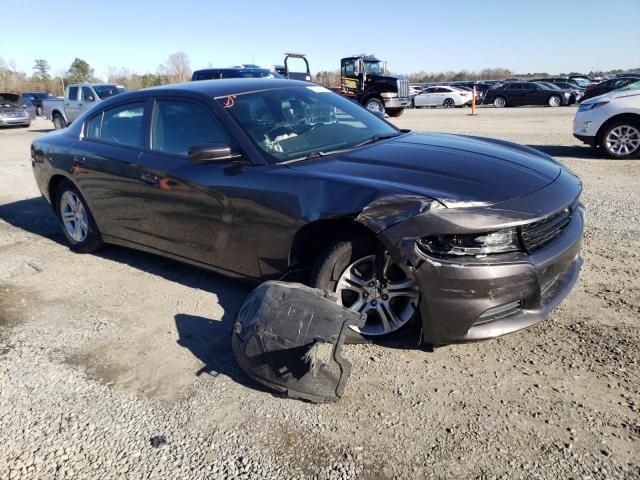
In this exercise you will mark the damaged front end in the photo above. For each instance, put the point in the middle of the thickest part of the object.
(485, 271)
(289, 337)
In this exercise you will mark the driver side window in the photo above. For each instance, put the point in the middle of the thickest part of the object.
(178, 125)
(349, 69)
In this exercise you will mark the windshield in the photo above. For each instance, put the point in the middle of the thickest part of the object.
(106, 91)
(258, 74)
(291, 123)
(581, 81)
(631, 86)
(374, 68)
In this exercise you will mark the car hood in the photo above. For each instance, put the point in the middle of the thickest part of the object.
(11, 98)
(458, 171)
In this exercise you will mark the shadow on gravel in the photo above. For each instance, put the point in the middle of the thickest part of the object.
(210, 342)
(42, 130)
(570, 151)
(32, 215)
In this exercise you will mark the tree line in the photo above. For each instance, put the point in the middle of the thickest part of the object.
(177, 68)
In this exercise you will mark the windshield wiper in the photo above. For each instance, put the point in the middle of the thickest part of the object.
(377, 137)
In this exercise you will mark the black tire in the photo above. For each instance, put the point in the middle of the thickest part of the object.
(374, 104)
(58, 121)
(395, 112)
(39, 111)
(628, 125)
(93, 239)
(499, 102)
(449, 103)
(554, 101)
(333, 262)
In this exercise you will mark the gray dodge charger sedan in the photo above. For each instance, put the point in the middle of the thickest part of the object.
(263, 179)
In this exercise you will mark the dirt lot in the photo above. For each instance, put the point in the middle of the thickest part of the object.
(100, 353)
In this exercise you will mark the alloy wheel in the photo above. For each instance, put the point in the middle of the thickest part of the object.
(499, 102)
(74, 216)
(389, 300)
(623, 140)
(448, 103)
(554, 101)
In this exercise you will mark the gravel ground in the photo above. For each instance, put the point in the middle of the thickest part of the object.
(101, 353)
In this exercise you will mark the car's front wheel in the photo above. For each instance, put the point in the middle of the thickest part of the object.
(448, 103)
(499, 102)
(367, 281)
(554, 101)
(75, 219)
(621, 139)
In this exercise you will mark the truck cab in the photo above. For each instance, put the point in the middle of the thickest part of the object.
(365, 79)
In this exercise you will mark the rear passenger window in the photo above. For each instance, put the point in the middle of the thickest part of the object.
(122, 125)
(178, 125)
(73, 93)
(93, 127)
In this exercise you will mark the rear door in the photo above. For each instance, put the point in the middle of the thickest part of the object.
(72, 103)
(515, 94)
(533, 95)
(107, 171)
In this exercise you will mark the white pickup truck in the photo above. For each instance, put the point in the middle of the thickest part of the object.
(77, 98)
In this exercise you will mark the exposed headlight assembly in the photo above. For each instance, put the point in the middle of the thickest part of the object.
(388, 94)
(501, 241)
(591, 106)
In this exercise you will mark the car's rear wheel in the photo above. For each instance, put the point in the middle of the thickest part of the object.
(554, 101)
(39, 111)
(499, 102)
(58, 121)
(75, 219)
(448, 103)
(367, 281)
(621, 139)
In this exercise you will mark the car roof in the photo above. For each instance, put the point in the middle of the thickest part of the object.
(228, 86)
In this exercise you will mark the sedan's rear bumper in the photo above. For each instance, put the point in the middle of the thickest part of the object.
(464, 302)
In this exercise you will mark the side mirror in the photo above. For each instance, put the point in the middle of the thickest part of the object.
(90, 99)
(211, 153)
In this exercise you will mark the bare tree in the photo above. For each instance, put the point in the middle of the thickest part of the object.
(177, 67)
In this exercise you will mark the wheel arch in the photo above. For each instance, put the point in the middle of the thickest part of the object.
(54, 182)
(312, 238)
(634, 117)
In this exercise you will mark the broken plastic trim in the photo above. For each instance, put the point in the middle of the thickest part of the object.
(289, 337)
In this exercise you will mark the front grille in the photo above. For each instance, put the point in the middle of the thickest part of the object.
(535, 235)
(15, 115)
(403, 88)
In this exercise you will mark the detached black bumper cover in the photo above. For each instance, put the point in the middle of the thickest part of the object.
(289, 337)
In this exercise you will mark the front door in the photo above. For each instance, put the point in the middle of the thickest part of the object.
(188, 212)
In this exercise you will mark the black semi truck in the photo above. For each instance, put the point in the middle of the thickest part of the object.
(364, 78)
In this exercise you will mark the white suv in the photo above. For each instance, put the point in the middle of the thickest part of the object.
(611, 122)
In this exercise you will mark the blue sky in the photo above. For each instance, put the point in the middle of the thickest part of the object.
(524, 36)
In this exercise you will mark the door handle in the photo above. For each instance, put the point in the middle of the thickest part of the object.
(149, 179)
(79, 160)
